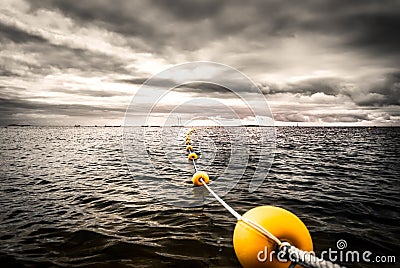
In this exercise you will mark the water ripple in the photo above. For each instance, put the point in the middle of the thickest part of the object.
(68, 199)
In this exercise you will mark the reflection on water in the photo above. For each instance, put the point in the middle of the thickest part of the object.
(68, 198)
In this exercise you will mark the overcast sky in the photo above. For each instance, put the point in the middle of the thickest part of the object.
(316, 62)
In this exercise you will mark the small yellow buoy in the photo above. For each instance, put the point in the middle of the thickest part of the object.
(189, 148)
(188, 142)
(192, 156)
(200, 175)
(254, 250)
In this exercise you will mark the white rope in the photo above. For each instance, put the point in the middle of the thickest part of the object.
(219, 199)
(306, 259)
(194, 165)
(251, 223)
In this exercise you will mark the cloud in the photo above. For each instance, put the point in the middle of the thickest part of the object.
(7, 73)
(149, 82)
(210, 90)
(387, 91)
(42, 54)
(10, 33)
(92, 93)
(12, 108)
(121, 17)
(326, 85)
(191, 10)
(308, 56)
(349, 117)
(171, 26)
(366, 26)
(383, 92)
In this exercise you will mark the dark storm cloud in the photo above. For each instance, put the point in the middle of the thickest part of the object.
(50, 54)
(149, 82)
(307, 87)
(13, 102)
(202, 109)
(12, 106)
(353, 39)
(92, 93)
(117, 16)
(200, 89)
(10, 88)
(292, 117)
(191, 10)
(378, 33)
(369, 25)
(348, 118)
(327, 118)
(207, 89)
(328, 86)
(63, 57)
(383, 93)
(134, 81)
(7, 73)
(7, 92)
(211, 90)
(56, 56)
(387, 92)
(12, 33)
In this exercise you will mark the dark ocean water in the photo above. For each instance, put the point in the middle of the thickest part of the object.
(68, 199)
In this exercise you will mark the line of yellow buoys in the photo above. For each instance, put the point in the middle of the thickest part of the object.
(262, 232)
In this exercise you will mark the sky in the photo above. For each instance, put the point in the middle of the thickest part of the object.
(315, 62)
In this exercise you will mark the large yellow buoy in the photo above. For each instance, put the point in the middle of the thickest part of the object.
(200, 175)
(192, 156)
(254, 250)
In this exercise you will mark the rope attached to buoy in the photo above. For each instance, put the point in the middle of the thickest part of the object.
(250, 227)
(312, 260)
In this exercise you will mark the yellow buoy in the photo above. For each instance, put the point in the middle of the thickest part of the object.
(189, 148)
(188, 142)
(188, 137)
(192, 156)
(254, 250)
(200, 175)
